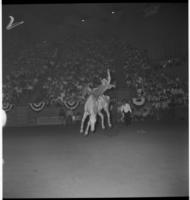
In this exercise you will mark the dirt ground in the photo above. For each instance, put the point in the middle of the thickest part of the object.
(146, 159)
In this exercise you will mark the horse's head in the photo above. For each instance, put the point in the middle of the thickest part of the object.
(92, 122)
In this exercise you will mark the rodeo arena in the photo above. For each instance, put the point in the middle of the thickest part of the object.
(90, 114)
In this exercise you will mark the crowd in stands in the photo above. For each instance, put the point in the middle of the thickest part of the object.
(48, 71)
(158, 85)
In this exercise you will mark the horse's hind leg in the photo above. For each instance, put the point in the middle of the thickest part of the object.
(82, 122)
(108, 116)
(102, 118)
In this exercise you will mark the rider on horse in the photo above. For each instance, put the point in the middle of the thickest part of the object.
(105, 85)
(96, 102)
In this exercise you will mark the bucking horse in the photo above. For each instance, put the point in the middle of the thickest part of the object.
(94, 107)
(95, 103)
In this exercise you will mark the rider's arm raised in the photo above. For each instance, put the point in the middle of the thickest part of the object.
(109, 77)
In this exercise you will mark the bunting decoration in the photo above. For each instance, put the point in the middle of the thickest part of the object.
(71, 104)
(37, 107)
(140, 101)
(7, 107)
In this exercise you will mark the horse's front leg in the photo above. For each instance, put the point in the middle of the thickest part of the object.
(87, 128)
(82, 122)
(102, 117)
(108, 116)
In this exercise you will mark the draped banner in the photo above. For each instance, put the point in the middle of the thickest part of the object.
(37, 107)
(71, 104)
(7, 107)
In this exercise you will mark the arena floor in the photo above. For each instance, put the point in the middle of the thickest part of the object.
(142, 160)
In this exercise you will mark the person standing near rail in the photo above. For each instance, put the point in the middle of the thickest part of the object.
(126, 112)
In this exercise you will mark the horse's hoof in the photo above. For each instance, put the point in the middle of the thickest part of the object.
(85, 134)
(110, 125)
(103, 128)
(81, 131)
